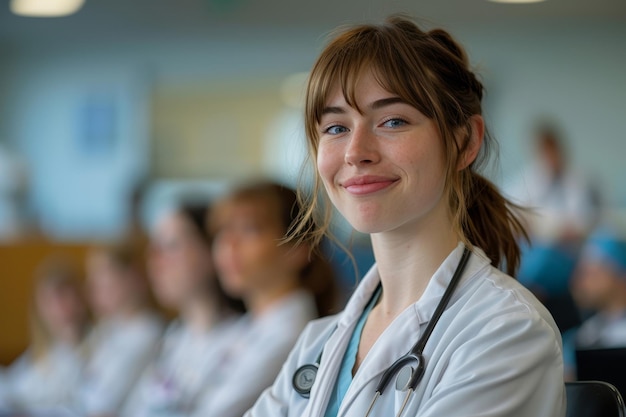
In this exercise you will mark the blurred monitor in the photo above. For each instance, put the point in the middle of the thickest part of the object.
(607, 365)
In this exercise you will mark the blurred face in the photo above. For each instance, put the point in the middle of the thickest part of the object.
(111, 288)
(552, 155)
(60, 308)
(246, 250)
(180, 261)
(594, 284)
(382, 168)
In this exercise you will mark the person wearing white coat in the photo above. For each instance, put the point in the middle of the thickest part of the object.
(258, 347)
(120, 350)
(493, 330)
(281, 286)
(394, 124)
(126, 332)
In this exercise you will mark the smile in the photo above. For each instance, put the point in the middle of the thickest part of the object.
(367, 184)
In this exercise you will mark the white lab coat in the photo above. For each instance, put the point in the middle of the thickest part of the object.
(119, 350)
(557, 206)
(256, 356)
(45, 385)
(495, 352)
(171, 385)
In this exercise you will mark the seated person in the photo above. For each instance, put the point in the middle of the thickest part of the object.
(126, 330)
(283, 285)
(45, 377)
(182, 275)
(599, 285)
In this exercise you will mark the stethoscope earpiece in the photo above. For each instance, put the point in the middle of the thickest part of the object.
(304, 378)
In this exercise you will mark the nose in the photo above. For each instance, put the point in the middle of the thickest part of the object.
(362, 148)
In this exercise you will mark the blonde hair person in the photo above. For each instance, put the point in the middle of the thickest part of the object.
(45, 377)
(394, 125)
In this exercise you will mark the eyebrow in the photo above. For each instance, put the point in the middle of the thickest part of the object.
(385, 102)
(378, 104)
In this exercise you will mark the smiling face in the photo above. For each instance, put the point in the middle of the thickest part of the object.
(383, 166)
(247, 250)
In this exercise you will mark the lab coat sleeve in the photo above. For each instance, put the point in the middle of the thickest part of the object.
(275, 400)
(106, 393)
(510, 366)
(245, 381)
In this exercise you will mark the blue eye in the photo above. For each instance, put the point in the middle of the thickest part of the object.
(335, 130)
(395, 123)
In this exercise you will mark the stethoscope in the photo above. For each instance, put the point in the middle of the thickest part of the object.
(304, 377)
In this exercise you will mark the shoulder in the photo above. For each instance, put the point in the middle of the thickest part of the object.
(491, 299)
(314, 336)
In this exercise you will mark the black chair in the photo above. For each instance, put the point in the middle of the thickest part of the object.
(593, 399)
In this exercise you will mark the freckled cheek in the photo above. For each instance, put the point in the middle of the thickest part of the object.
(328, 164)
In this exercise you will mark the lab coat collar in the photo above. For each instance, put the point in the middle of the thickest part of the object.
(437, 285)
(407, 328)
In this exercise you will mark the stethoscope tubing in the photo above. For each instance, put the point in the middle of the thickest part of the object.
(415, 354)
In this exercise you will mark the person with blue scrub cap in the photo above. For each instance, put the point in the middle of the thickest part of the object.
(600, 285)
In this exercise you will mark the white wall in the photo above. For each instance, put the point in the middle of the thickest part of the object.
(574, 73)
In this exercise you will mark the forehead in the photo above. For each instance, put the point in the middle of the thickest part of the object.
(365, 89)
(248, 208)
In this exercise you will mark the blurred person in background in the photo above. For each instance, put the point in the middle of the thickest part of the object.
(126, 331)
(46, 376)
(562, 207)
(183, 279)
(599, 286)
(283, 286)
(563, 202)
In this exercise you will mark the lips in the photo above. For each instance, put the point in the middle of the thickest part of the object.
(367, 184)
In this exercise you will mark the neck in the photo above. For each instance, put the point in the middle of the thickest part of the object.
(69, 335)
(259, 301)
(616, 305)
(407, 259)
(128, 312)
(201, 312)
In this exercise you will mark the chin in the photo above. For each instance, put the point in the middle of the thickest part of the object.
(368, 227)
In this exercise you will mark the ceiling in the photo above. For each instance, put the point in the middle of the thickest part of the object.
(108, 19)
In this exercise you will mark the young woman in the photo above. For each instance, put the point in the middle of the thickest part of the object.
(393, 119)
(125, 333)
(45, 377)
(283, 287)
(183, 279)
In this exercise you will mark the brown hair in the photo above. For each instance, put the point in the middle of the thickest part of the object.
(430, 71)
(122, 254)
(318, 276)
(195, 214)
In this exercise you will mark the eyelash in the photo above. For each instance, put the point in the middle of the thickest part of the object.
(392, 119)
(328, 129)
(395, 119)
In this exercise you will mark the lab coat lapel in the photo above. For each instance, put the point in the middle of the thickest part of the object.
(398, 338)
(335, 347)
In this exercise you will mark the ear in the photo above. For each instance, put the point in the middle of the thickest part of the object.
(477, 134)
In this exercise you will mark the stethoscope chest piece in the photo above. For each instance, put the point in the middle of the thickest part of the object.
(304, 378)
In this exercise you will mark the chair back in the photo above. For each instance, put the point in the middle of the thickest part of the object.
(593, 399)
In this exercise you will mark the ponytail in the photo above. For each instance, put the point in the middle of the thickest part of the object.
(492, 223)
